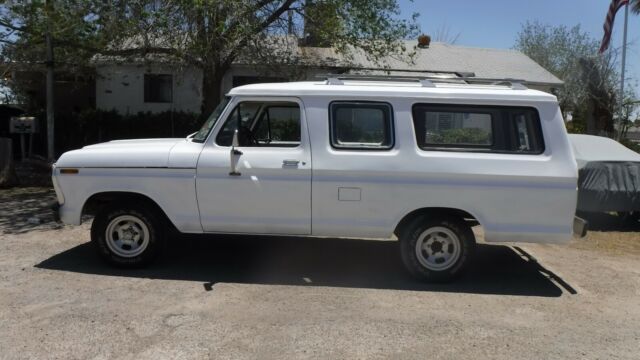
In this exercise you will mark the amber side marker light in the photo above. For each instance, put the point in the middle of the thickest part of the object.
(68, 171)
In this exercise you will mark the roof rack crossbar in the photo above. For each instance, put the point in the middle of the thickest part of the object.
(426, 81)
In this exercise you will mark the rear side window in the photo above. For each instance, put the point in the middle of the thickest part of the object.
(478, 128)
(361, 125)
(525, 132)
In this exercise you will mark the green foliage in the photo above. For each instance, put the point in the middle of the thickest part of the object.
(208, 34)
(630, 144)
(591, 89)
(288, 130)
(468, 136)
(560, 50)
(78, 28)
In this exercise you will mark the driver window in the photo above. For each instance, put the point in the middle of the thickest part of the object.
(262, 124)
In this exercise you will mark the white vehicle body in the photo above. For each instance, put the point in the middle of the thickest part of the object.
(316, 189)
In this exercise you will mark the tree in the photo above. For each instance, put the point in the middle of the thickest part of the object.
(589, 90)
(635, 6)
(23, 24)
(208, 34)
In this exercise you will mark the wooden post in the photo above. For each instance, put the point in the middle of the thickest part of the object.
(22, 149)
(49, 62)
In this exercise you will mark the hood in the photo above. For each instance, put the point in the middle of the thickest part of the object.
(121, 153)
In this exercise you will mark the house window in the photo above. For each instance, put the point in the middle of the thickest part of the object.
(158, 88)
(361, 125)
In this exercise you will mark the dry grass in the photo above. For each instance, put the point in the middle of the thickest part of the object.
(612, 242)
(608, 233)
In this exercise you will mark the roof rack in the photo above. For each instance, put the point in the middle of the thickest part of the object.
(427, 81)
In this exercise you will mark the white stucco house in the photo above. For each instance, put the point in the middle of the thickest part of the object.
(155, 86)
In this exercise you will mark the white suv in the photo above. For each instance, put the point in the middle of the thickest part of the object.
(423, 159)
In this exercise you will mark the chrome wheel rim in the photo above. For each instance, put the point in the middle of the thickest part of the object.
(127, 236)
(438, 248)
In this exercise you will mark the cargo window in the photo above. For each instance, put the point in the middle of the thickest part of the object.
(478, 128)
(361, 125)
(525, 134)
(458, 128)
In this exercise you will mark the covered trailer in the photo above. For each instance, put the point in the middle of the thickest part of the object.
(608, 176)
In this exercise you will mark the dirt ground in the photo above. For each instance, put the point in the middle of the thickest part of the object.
(273, 297)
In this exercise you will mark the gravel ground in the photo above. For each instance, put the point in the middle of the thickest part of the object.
(272, 297)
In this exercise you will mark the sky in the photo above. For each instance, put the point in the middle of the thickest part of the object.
(495, 23)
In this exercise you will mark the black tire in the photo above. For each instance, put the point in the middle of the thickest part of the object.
(147, 215)
(408, 248)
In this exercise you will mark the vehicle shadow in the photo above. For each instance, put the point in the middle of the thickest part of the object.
(350, 263)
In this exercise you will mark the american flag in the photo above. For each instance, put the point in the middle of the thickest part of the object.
(608, 22)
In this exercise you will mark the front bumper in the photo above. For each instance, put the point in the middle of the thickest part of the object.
(580, 227)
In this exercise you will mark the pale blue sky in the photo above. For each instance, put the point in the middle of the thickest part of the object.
(495, 23)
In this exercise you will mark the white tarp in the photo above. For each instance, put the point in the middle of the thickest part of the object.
(588, 148)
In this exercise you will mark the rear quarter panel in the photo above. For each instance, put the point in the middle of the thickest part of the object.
(528, 198)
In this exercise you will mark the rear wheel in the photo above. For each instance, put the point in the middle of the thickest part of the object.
(129, 235)
(437, 249)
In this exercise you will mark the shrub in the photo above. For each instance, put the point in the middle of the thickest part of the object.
(92, 126)
(460, 136)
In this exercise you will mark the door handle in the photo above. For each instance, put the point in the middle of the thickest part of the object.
(290, 162)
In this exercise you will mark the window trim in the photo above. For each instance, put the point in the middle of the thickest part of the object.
(145, 96)
(391, 126)
(500, 125)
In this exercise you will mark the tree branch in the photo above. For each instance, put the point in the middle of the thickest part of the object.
(12, 27)
(129, 52)
(261, 27)
(239, 19)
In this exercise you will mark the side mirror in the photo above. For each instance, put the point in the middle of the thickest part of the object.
(234, 155)
(234, 142)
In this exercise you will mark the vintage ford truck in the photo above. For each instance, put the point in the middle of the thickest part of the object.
(423, 159)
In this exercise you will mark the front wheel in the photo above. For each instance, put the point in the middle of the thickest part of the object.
(128, 235)
(437, 249)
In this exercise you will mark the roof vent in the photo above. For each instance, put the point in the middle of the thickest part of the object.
(424, 41)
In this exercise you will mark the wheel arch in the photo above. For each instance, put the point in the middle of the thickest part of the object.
(97, 201)
(465, 215)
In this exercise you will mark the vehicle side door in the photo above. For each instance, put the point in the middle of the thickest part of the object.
(262, 185)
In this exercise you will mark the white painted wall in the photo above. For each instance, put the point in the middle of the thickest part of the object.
(121, 87)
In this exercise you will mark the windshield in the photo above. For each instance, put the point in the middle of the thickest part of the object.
(201, 135)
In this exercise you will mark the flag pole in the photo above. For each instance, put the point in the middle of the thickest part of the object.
(624, 58)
